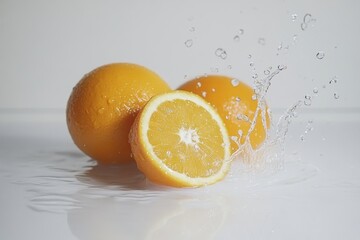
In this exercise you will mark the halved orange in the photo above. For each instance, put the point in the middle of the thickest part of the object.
(178, 139)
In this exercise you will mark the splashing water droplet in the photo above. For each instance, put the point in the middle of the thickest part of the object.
(237, 99)
(293, 16)
(280, 46)
(295, 38)
(236, 38)
(235, 82)
(320, 55)
(198, 84)
(255, 76)
(304, 26)
(281, 67)
(221, 53)
(241, 31)
(234, 138)
(261, 41)
(249, 56)
(213, 89)
(254, 97)
(189, 43)
(204, 94)
(333, 80)
(218, 52)
(316, 90)
(310, 127)
(307, 18)
(307, 100)
(266, 72)
(336, 96)
(251, 64)
(242, 117)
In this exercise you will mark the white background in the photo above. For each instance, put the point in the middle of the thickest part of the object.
(46, 46)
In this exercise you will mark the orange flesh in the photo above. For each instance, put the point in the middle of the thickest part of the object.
(191, 152)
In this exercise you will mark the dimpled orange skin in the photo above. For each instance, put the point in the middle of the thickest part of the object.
(229, 101)
(103, 106)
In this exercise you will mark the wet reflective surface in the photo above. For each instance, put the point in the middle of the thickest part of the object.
(50, 190)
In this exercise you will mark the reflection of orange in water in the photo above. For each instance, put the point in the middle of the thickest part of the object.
(125, 176)
(233, 101)
(152, 215)
(103, 106)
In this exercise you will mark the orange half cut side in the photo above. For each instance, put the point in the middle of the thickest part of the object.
(178, 139)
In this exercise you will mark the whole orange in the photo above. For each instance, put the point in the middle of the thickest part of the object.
(103, 106)
(234, 102)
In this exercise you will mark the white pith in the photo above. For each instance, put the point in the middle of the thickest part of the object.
(189, 137)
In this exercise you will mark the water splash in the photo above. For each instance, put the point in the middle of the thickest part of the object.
(295, 38)
(315, 90)
(188, 43)
(333, 80)
(221, 53)
(271, 153)
(307, 100)
(236, 38)
(320, 55)
(235, 82)
(307, 19)
(309, 127)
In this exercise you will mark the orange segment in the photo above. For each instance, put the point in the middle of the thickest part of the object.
(178, 139)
